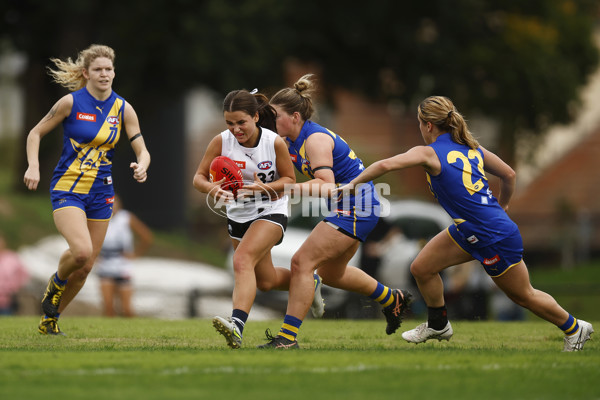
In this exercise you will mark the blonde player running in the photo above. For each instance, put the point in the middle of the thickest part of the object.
(81, 190)
(456, 167)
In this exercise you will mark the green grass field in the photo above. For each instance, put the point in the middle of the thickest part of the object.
(339, 359)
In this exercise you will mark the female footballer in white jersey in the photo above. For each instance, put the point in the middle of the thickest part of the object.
(254, 226)
(81, 190)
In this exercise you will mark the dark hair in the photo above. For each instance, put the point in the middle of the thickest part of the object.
(243, 100)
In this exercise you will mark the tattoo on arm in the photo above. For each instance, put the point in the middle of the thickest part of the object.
(51, 113)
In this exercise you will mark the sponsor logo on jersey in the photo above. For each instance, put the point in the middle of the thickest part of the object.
(265, 165)
(112, 120)
(345, 213)
(110, 200)
(107, 180)
(294, 157)
(86, 117)
(491, 261)
(472, 239)
(241, 164)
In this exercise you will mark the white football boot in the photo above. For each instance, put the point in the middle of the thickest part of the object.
(228, 328)
(317, 307)
(423, 333)
(576, 341)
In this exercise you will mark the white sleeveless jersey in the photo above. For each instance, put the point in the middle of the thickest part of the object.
(118, 242)
(262, 160)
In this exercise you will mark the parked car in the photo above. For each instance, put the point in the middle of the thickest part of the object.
(417, 221)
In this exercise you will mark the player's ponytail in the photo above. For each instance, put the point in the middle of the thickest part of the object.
(440, 111)
(297, 99)
(267, 115)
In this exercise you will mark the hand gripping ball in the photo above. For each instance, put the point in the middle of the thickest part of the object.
(224, 167)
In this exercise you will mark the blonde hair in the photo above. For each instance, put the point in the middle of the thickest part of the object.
(440, 111)
(70, 73)
(297, 99)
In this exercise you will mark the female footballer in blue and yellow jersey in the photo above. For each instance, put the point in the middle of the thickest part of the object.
(327, 160)
(356, 215)
(90, 134)
(81, 190)
(479, 220)
(456, 167)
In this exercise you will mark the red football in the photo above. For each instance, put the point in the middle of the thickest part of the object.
(224, 167)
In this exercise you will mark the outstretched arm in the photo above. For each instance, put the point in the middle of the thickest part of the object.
(420, 155)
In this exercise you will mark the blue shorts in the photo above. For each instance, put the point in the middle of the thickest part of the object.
(97, 206)
(496, 258)
(356, 216)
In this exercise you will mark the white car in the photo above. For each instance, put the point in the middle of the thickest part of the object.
(418, 221)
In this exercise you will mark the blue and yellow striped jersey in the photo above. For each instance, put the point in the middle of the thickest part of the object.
(355, 214)
(462, 190)
(91, 132)
(346, 165)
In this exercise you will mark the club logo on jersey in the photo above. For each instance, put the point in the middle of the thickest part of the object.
(294, 157)
(86, 117)
(491, 261)
(241, 164)
(112, 120)
(265, 165)
(472, 239)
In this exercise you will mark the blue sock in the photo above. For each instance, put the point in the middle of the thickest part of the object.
(571, 326)
(57, 315)
(383, 295)
(239, 318)
(59, 281)
(290, 327)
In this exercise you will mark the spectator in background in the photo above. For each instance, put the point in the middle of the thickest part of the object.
(127, 238)
(13, 276)
(375, 246)
(468, 292)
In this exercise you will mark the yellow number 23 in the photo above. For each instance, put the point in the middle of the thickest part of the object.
(467, 175)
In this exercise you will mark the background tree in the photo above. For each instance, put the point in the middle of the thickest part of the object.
(521, 63)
